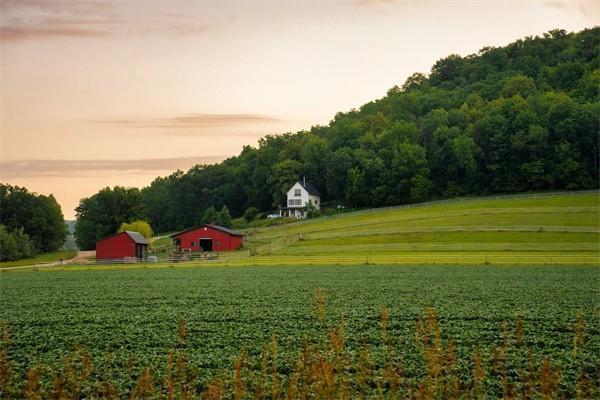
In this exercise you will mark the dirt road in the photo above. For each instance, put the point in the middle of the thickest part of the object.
(81, 256)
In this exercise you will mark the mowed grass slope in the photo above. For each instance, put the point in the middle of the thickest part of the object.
(529, 229)
(41, 259)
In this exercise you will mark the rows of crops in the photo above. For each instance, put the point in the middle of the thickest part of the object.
(127, 319)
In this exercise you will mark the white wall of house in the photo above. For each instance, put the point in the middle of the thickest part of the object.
(297, 196)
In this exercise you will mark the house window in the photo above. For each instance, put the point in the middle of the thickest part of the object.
(297, 192)
(295, 202)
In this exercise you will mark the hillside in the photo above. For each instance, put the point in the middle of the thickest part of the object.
(527, 229)
(511, 119)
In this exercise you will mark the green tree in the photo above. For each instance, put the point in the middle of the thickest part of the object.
(224, 218)
(210, 216)
(520, 84)
(102, 214)
(39, 216)
(139, 226)
(283, 176)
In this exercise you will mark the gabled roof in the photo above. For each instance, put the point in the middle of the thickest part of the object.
(217, 227)
(135, 236)
(309, 188)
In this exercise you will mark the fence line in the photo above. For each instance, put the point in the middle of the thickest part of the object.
(469, 198)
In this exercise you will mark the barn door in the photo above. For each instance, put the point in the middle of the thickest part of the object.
(140, 251)
(206, 244)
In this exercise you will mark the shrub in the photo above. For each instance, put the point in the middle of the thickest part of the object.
(14, 245)
(250, 214)
(311, 211)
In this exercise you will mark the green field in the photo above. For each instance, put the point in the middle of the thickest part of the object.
(41, 259)
(530, 229)
(130, 317)
(483, 265)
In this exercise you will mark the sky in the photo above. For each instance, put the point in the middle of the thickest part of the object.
(101, 93)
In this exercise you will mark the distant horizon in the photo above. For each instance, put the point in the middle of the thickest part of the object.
(126, 96)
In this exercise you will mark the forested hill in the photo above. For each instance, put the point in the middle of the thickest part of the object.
(518, 118)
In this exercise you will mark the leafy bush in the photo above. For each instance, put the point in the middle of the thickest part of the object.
(311, 211)
(250, 214)
(14, 245)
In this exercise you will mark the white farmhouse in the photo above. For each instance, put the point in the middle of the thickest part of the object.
(300, 194)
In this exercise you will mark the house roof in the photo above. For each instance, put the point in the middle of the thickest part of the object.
(309, 188)
(217, 227)
(135, 236)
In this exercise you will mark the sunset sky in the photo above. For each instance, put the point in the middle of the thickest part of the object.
(102, 93)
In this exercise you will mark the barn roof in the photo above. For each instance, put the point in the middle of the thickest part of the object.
(309, 188)
(135, 236)
(217, 227)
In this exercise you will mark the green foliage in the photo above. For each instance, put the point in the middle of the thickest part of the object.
(142, 227)
(511, 119)
(14, 245)
(518, 85)
(283, 175)
(103, 213)
(37, 216)
(311, 211)
(250, 214)
(210, 216)
(223, 217)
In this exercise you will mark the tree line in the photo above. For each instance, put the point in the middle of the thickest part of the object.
(30, 223)
(523, 117)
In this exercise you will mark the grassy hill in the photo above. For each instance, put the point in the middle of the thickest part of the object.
(526, 229)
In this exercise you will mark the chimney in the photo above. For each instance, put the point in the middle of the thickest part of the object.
(304, 180)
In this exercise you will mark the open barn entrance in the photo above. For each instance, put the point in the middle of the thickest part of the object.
(140, 251)
(206, 244)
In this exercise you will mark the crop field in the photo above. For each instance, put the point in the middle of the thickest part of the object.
(128, 320)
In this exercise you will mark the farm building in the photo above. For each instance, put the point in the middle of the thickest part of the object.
(299, 195)
(124, 245)
(208, 238)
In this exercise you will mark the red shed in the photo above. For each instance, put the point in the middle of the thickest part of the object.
(208, 238)
(122, 245)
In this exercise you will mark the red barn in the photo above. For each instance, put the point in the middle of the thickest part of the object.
(122, 245)
(208, 238)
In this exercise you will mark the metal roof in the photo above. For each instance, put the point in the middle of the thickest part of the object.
(137, 237)
(217, 227)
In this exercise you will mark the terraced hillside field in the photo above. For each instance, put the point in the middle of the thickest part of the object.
(529, 229)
